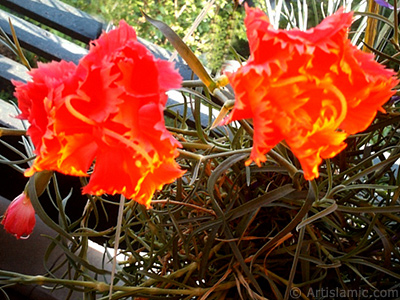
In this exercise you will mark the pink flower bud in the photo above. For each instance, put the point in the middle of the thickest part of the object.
(19, 218)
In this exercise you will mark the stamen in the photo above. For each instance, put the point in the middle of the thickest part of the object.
(129, 143)
(290, 80)
(77, 114)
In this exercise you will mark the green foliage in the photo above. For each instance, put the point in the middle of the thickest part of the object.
(223, 29)
(213, 36)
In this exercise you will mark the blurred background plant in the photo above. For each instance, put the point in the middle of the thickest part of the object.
(218, 18)
(226, 231)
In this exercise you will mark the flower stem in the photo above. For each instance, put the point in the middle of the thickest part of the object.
(191, 155)
(8, 131)
(182, 131)
(116, 242)
(41, 182)
(283, 162)
(246, 150)
(193, 83)
(396, 26)
(218, 94)
(12, 278)
(202, 147)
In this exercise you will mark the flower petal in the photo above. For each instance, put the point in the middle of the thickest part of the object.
(385, 4)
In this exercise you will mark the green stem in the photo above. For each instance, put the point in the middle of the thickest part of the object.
(18, 278)
(193, 83)
(319, 245)
(190, 155)
(201, 146)
(116, 242)
(182, 131)
(396, 25)
(283, 162)
(14, 132)
(218, 94)
(247, 127)
(41, 182)
(210, 156)
(179, 273)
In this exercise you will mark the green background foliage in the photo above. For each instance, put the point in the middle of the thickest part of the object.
(222, 24)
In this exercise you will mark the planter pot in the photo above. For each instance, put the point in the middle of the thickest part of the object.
(26, 256)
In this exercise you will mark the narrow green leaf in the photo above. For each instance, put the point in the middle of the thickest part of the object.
(225, 165)
(388, 57)
(355, 270)
(6, 40)
(18, 47)
(367, 186)
(75, 258)
(295, 261)
(375, 16)
(372, 265)
(258, 202)
(311, 197)
(42, 213)
(228, 105)
(371, 169)
(317, 216)
(165, 279)
(184, 51)
(221, 168)
(371, 209)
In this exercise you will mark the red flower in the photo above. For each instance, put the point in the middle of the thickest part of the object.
(19, 218)
(310, 88)
(38, 101)
(109, 109)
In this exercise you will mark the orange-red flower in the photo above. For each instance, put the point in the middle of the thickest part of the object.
(310, 88)
(107, 110)
(19, 218)
(38, 100)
